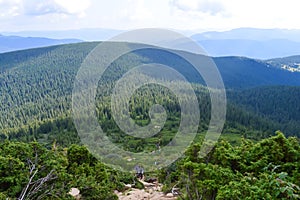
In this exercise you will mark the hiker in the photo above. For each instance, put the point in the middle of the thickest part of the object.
(139, 172)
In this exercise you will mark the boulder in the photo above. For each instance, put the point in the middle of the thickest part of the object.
(75, 192)
(169, 195)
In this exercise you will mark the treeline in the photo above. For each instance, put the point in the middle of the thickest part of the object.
(63, 131)
(60, 130)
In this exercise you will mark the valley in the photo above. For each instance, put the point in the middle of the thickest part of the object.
(261, 131)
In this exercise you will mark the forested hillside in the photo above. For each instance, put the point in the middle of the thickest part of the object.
(242, 72)
(41, 155)
(291, 61)
(36, 87)
(280, 104)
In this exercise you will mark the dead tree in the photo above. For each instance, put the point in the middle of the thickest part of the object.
(34, 186)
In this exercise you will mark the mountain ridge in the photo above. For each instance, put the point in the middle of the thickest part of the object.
(36, 84)
(13, 43)
(231, 68)
(250, 42)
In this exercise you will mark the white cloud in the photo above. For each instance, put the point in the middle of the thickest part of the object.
(212, 7)
(131, 14)
(10, 8)
(32, 7)
(138, 10)
(73, 6)
(263, 14)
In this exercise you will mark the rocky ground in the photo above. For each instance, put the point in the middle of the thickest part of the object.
(152, 191)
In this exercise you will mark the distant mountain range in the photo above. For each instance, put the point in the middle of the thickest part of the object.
(88, 34)
(251, 42)
(247, 42)
(13, 43)
(251, 48)
(250, 34)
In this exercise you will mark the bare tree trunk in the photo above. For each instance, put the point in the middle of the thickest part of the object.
(33, 187)
(24, 191)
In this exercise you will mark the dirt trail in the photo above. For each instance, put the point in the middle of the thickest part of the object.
(152, 191)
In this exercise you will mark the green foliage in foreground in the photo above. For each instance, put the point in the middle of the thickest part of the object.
(30, 171)
(269, 169)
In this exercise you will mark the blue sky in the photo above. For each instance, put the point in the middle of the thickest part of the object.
(195, 15)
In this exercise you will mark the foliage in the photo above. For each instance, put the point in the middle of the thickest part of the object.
(24, 164)
(279, 104)
(268, 169)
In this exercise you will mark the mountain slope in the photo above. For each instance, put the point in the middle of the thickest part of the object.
(291, 63)
(281, 104)
(36, 84)
(241, 72)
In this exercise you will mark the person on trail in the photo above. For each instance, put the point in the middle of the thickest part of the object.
(139, 172)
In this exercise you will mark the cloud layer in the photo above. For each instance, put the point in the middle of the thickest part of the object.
(212, 7)
(16, 15)
(11, 8)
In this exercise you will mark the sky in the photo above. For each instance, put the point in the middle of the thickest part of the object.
(190, 15)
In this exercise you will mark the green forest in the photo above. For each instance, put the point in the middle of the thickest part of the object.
(42, 156)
